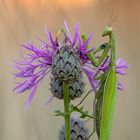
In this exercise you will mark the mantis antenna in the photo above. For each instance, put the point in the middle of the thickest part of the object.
(111, 20)
(110, 17)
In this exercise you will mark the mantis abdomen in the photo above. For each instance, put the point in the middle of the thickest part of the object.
(108, 105)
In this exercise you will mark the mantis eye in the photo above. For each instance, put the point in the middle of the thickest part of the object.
(103, 45)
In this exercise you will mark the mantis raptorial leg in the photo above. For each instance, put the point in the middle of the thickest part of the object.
(105, 47)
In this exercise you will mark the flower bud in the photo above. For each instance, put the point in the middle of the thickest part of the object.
(78, 130)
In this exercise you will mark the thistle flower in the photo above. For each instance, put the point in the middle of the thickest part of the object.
(78, 130)
(38, 61)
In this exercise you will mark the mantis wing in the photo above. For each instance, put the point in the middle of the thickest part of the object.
(108, 105)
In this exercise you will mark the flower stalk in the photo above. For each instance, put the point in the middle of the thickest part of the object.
(66, 109)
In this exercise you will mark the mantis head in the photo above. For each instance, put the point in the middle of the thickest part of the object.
(107, 31)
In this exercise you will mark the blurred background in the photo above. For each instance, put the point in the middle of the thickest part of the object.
(23, 20)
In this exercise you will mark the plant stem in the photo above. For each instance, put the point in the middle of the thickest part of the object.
(66, 109)
(84, 98)
(91, 134)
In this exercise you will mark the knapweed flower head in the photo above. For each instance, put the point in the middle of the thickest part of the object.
(64, 59)
(78, 130)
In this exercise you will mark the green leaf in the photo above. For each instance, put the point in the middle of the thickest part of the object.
(109, 100)
(83, 113)
(59, 113)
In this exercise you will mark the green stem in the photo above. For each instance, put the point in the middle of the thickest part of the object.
(91, 134)
(66, 109)
(78, 110)
(84, 98)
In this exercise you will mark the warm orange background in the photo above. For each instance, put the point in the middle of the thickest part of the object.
(22, 20)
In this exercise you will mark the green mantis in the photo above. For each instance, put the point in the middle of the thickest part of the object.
(109, 92)
(105, 97)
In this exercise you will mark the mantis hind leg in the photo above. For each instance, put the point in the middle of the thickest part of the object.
(98, 115)
(97, 109)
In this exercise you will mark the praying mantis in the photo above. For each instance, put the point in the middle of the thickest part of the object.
(105, 98)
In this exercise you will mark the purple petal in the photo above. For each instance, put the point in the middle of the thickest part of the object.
(69, 34)
(88, 40)
(89, 50)
(79, 40)
(121, 66)
(90, 75)
(50, 38)
(28, 102)
(49, 100)
(76, 35)
(120, 86)
(122, 63)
